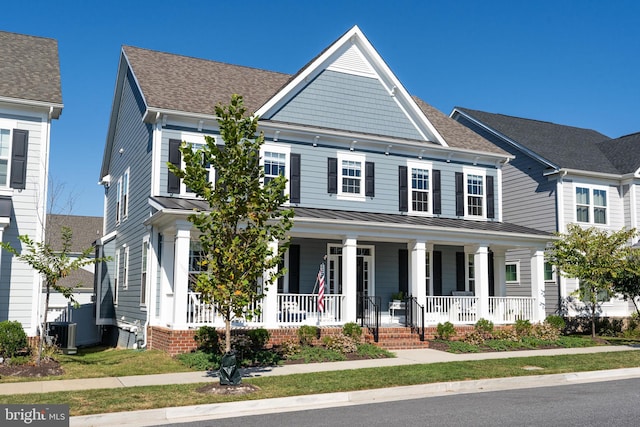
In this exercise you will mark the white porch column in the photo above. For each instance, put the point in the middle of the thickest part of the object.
(429, 273)
(417, 271)
(270, 300)
(481, 267)
(349, 278)
(537, 284)
(166, 277)
(499, 272)
(181, 274)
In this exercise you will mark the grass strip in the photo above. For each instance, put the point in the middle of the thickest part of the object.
(137, 398)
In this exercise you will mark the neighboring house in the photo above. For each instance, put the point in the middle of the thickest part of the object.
(395, 194)
(30, 98)
(561, 175)
(86, 230)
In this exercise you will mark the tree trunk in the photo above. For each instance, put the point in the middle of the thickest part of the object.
(593, 320)
(227, 335)
(44, 324)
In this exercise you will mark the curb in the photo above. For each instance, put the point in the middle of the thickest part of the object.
(318, 401)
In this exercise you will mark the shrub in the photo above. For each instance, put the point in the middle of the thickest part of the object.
(523, 327)
(289, 348)
(474, 338)
(241, 344)
(340, 343)
(508, 334)
(546, 332)
(259, 338)
(352, 330)
(484, 327)
(207, 339)
(12, 338)
(200, 360)
(307, 334)
(446, 330)
(556, 321)
(462, 347)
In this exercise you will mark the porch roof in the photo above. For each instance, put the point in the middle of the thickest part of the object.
(186, 206)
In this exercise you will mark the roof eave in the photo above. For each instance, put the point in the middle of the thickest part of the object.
(54, 109)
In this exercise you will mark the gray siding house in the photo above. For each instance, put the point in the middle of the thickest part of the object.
(561, 175)
(395, 195)
(30, 99)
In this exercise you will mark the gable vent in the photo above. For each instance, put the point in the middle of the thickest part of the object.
(353, 62)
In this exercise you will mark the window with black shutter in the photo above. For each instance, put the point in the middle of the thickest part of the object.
(403, 192)
(369, 179)
(332, 175)
(437, 194)
(294, 179)
(490, 198)
(459, 194)
(19, 145)
(173, 182)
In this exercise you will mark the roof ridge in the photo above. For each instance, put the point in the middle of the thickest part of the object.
(28, 35)
(205, 60)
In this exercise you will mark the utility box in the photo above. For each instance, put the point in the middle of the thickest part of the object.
(64, 334)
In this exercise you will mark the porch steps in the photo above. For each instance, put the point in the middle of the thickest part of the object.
(398, 338)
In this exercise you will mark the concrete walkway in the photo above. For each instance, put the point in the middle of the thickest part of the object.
(404, 357)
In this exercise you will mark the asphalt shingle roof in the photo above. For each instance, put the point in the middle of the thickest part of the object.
(86, 230)
(30, 68)
(564, 146)
(623, 152)
(181, 83)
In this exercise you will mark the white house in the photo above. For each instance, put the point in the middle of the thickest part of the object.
(30, 98)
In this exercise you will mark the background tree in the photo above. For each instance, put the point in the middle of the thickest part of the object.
(596, 258)
(52, 266)
(243, 219)
(627, 283)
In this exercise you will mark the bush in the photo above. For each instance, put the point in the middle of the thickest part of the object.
(200, 360)
(340, 343)
(352, 330)
(290, 348)
(546, 332)
(508, 334)
(307, 334)
(474, 338)
(208, 339)
(259, 338)
(446, 330)
(12, 338)
(484, 327)
(523, 327)
(556, 321)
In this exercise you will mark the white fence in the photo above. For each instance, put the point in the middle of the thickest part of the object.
(463, 310)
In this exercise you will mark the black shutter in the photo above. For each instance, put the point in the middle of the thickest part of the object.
(492, 279)
(294, 269)
(403, 191)
(294, 179)
(18, 178)
(332, 175)
(173, 182)
(437, 273)
(403, 272)
(370, 179)
(490, 198)
(437, 194)
(459, 194)
(460, 276)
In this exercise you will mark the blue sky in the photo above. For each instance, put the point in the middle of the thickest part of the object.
(569, 62)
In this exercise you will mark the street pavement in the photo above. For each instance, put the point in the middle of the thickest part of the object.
(403, 357)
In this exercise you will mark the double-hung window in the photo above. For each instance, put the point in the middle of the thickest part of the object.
(210, 171)
(119, 201)
(420, 189)
(591, 205)
(475, 195)
(274, 165)
(351, 177)
(512, 272)
(116, 277)
(5, 156)
(125, 268)
(144, 283)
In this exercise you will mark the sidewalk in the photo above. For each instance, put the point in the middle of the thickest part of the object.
(404, 357)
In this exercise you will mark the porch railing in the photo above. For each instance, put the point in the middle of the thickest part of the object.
(415, 316)
(201, 313)
(370, 314)
(464, 309)
(511, 309)
(295, 309)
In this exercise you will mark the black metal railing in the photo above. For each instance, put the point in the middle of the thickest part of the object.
(415, 316)
(369, 314)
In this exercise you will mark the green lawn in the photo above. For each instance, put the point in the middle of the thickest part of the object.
(136, 398)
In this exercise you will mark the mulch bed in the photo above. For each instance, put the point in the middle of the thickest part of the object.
(47, 368)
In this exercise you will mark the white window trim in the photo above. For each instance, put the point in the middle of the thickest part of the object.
(119, 201)
(553, 273)
(126, 194)
(116, 285)
(592, 205)
(125, 268)
(199, 141)
(483, 174)
(144, 272)
(517, 264)
(9, 125)
(428, 166)
(360, 158)
(269, 148)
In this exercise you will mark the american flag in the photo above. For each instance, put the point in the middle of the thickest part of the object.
(321, 288)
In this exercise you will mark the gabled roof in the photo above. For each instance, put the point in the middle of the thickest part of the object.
(176, 83)
(563, 147)
(30, 70)
(86, 230)
(623, 152)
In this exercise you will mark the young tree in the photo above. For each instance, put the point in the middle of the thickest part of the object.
(52, 265)
(596, 258)
(244, 216)
(627, 283)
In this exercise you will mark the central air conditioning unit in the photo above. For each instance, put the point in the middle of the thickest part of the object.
(63, 334)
